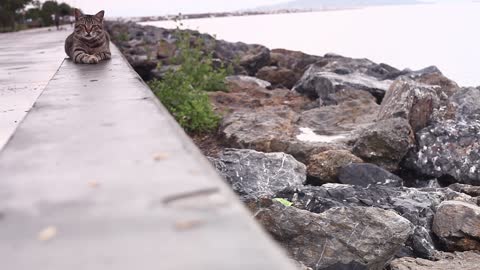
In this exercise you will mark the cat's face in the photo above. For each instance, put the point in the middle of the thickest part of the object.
(88, 27)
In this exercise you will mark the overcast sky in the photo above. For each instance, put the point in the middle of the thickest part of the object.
(162, 7)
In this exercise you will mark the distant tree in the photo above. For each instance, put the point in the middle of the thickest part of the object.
(33, 13)
(10, 12)
(49, 8)
(65, 9)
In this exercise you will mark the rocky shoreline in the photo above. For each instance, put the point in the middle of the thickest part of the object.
(375, 167)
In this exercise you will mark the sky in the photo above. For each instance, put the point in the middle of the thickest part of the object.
(132, 8)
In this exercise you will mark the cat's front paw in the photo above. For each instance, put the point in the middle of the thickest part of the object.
(91, 59)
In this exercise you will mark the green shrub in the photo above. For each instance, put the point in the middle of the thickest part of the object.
(190, 107)
(182, 91)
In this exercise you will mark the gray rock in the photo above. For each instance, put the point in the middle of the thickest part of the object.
(473, 191)
(410, 100)
(467, 104)
(267, 129)
(255, 58)
(416, 205)
(449, 150)
(385, 143)
(325, 78)
(279, 77)
(256, 81)
(296, 61)
(457, 224)
(366, 236)
(324, 167)
(254, 174)
(447, 261)
(356, 110)
(282, 128)
(366, 175)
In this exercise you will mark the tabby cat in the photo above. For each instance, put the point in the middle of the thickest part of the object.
(89, 43)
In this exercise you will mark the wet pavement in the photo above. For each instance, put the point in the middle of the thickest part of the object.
(28, 60)
(99, 176)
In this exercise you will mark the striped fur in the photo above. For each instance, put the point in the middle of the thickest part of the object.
(89, 43)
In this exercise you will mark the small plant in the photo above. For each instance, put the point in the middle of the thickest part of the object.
(122, 36)
(183, 91)
(190, 107)
(284, 201)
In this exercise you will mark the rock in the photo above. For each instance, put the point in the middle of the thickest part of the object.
(473, 191)
(323, 79)
(246, 94)
(365, 236)
(316, 86)
(257, 57)
(385, 143)
(343, 121)
(367, 175)
(143, 65)
(248, 79)
(264, 130)
(278, 76)
(165, 49)
(459, 260)
(444, 87)
(296, 61)
(449, 150)
(324, 167)
(457, 224)
(410, 100)
(416, 205)
(268, 124)
(254, 174)
(466, 103)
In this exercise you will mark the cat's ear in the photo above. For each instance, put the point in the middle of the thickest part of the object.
(100, 15)
(78, 13)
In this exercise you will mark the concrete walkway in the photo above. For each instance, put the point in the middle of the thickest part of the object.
(99, 176)
(28, 60)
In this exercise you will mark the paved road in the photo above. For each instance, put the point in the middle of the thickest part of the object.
(99, 176)
(28, 60)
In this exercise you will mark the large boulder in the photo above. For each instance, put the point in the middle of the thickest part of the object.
(266, 129)
(385, 143)
(447, 261)
(324, 78)
(296, 61)
(255, 58)
(279, 77)
(249, 93)
(356, 110)
(366, 175)
(254, 174)
(466, 104)
(324, 167)
(416, 205)
(473, 191)
(290, 126)
(253, 81)
(365, 236)
(449, 148)
(457, 224)
(410, 100)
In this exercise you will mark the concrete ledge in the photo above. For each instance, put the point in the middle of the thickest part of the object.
(102, 163)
